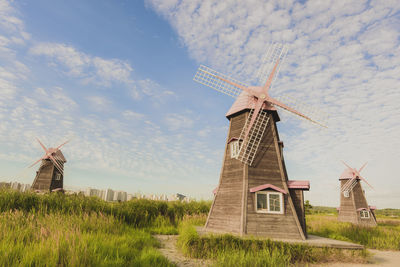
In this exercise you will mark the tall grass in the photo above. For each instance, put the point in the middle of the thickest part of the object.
(72, 230)
(58, 239)
(229, 250)
(139, 213)
(385, 236)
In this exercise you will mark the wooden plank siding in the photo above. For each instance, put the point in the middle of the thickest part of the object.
(45, 179)
(349, 205)
(233, 208)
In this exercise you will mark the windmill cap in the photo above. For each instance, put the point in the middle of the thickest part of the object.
(60, 155)
(245, 102)
(347, 174)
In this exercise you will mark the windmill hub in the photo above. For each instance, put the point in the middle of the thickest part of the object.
(262, 96)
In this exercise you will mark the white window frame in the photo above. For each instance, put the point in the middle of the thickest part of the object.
(58, 176)
(268, 193)
(346, 193)
(235, 148)
(364, 214)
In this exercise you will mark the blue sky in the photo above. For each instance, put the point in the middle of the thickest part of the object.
(116, 78)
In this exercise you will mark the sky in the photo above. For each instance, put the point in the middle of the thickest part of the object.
(116, 78)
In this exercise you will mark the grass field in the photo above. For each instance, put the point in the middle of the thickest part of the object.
(385, 236)
(228, 250)
(61, 230)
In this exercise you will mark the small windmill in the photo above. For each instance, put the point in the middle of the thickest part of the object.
(50, 176)
(254, 195)
(353, 204)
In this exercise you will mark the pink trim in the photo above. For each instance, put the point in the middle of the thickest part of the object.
(299, 184)
(233, 139)
(215, 190)
(360, 209)
(372, 207)
(338, 209)
(265, 186)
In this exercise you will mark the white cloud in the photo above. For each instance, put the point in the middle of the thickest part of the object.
(178, 121)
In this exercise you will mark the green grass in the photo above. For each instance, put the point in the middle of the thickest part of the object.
(228, 250)
(140, 213)
(385, 236)
(61, 230)
(58, 239)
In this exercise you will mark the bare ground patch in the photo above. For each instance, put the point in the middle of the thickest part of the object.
(169, 250)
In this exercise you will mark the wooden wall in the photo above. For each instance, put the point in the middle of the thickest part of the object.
(233, 207)
(226, 211)
(45, 179)
(349, 205)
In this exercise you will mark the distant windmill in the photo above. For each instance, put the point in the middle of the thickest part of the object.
(254, 195)
(353, 204)
(50, 176)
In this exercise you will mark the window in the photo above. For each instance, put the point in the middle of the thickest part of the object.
(58, 176)
(346, 193)
(269, 202)
(234, 146)
(364, 214)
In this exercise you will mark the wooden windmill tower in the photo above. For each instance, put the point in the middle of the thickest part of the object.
(50, 176)
(353, 204)
(254, 195)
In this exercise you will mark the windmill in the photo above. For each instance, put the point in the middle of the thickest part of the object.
(254, 195)
(50, 176)
(353, 204)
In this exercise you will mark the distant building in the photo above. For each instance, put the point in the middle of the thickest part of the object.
(109, 195)
(90, 192)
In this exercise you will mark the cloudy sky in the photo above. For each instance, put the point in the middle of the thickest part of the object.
(115, 77)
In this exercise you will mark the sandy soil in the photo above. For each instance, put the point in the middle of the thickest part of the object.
(169, 250)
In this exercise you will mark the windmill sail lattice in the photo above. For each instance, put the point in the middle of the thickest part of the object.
(212, 78)
(249, 147)
(275, 52)
(267, 74)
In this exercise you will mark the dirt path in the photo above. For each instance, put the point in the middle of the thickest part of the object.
(169, 250)
(379, 258)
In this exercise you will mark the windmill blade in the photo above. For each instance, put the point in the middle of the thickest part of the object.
(36, 162)
(362, 178)
(249, 147)
(305, 111)
(349, 185)
(219, 82)
(276, 53)
(58, 148)
(59, 161)
(44, 148)
(362, 167)
(56, 164)
(347, 165)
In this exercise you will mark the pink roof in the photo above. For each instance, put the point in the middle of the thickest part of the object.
(299, 185)
(347, 174)
(244, 101)
(372, 207)
(265, 186)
